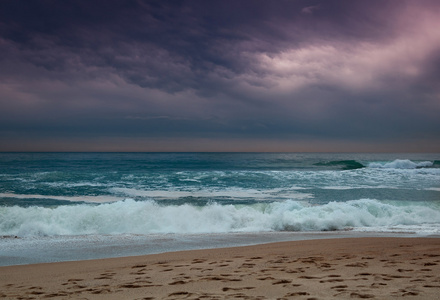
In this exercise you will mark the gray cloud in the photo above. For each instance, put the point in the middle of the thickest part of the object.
(341, 70)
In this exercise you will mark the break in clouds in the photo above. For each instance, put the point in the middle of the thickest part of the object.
(285, 73)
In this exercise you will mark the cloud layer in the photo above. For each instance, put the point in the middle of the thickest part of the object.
(219, 75)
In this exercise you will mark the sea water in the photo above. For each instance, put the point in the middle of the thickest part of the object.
(67, 206)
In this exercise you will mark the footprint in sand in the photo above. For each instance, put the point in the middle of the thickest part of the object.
(139, 272)
(98, 291)
(221, 278)
(431, 255)
(339, 288)
(345, 256)
(325, 266)
(312, 259)
(130, 286)
(266, 278)
(359, 295)
(74, 280)
(404, 292)
(222, 265)
(36, 293)
(183, 277)
(431, 286)
(290, 271)
(377, 284)
(296, 294)
(136, 285)
(282, 281)
(178, 282)
(181, 293)
(53, 295)
(278, 261)
(225, 289)
(309, 277)
(104, 277)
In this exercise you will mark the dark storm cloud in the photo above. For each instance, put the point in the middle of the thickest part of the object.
(359, 70)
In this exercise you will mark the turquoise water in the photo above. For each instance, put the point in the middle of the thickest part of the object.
(63, 194)
(72, 206)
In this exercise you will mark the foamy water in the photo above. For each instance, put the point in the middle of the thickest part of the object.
(58, 196)
(148, 217)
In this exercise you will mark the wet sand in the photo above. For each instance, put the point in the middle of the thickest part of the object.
(349, 268)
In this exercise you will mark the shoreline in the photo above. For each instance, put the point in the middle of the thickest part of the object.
(331, 268)
(29, 250)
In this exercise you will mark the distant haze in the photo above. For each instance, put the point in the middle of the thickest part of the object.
(249, 75)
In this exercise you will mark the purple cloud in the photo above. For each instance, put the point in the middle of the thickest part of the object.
(197, 70)
(310, 9)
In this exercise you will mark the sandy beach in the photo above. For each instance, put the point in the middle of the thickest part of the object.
(375, 268)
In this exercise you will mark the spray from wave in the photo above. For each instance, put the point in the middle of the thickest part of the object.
(402, 164)
(396, 164)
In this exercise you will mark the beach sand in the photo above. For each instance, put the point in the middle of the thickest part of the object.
(349, 268)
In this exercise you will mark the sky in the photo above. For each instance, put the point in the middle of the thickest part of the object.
(242, 75)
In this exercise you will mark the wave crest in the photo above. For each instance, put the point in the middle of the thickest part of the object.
(342, 164)
(402, 164)
(145, 217)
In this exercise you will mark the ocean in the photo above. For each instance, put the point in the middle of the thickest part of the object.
(70, 206)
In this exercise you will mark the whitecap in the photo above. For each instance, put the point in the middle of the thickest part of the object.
(148, 217)
(401, 164)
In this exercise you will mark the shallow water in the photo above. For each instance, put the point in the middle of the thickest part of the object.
(30, 250)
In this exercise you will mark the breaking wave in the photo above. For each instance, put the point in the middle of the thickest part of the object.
(147, 217)
(404, 164)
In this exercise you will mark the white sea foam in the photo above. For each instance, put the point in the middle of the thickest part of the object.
(147, 217)
(231, 193)
(91, 199)
(401, 164)
(342, 188)
(426, 229)
(74, 184)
